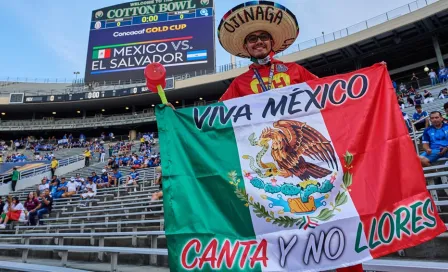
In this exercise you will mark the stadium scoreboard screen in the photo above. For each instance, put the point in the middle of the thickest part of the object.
(125, 38)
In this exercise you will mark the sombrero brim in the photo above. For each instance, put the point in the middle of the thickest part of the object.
(252, 16)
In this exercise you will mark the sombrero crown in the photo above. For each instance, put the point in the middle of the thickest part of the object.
(253, 16)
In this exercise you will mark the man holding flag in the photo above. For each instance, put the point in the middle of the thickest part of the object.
(260, 40)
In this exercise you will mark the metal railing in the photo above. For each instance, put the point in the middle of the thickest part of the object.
(296, 47)
(6, 178)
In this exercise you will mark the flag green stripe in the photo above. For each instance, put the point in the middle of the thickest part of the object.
(95, 54)
(199, 201)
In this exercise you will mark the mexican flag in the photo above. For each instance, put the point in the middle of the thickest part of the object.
(310, 177)
(101, 54)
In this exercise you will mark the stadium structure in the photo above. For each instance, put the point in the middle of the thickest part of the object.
(409, 39)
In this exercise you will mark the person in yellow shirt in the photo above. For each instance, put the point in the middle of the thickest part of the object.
(54, 165)
(87, 156)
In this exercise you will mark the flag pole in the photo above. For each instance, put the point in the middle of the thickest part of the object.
(155, 74)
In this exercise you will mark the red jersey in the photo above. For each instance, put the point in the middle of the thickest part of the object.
(285, 74)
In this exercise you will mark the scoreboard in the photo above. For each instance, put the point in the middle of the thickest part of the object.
(125, 38)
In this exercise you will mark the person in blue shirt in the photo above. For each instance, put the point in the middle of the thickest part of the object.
(60, 190)
(104, 179)
(137, 163)
(418, 99)
(94, 177)
(435, 140)
(114, 179)
(419, 115)
(132, 178)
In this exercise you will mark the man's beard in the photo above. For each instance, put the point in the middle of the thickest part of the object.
(262, 56)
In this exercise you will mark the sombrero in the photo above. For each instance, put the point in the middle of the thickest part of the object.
(252, 16)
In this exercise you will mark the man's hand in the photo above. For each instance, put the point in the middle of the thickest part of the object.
(428, 151)
(443, 152)
(170, 105)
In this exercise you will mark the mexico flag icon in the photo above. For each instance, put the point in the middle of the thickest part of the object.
(310, 177)
(101, 54)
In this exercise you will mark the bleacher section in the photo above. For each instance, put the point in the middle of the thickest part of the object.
(114, 222)
(71, 123)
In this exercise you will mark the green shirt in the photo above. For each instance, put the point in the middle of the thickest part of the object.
(15, 175)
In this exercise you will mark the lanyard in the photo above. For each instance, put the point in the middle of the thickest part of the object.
(260, 79)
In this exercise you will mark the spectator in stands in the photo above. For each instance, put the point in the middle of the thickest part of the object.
(2, 205)
(442, 74)
(16, 145)
(15, 213)
(445, 108)
(103, 153)
(81, 181)
(419, 116)
(428, 96)
(418, 99)
(71, 188)
(15, 177)
(54, 165)
(435, 140)
(91, 189)
(114, 179)
(433, 76)
(94, 177)
(132, 178)
(103, 181)
(31, 203)
(145, 163)
(44, 208)
(87, 156)
(415, 83)
(44, 185)
(6, 205)
(159, 194)
(61, 189)
(114, 163)
(402, 87)
(395, 85)
(111, 150)
(443, 93)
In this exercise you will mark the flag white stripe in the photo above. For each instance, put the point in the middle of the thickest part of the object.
(196, 55)
(101, 53)
(346, 220)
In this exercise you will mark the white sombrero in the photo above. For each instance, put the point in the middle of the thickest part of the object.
(252, 16)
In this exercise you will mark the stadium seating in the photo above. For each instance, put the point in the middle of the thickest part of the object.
(111, 218)
(72, 123)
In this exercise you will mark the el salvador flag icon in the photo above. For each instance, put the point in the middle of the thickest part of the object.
(197, 55)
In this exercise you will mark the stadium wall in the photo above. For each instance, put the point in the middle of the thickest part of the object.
(34, 180)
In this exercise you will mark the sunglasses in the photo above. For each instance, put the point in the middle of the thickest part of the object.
(254, 38)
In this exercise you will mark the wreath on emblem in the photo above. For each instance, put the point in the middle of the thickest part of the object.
(305, 221)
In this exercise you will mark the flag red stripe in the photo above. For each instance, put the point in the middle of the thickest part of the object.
(386, 169)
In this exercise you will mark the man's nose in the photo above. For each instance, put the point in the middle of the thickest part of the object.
(259, 42)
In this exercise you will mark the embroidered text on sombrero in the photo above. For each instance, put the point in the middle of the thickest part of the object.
(254, 14)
